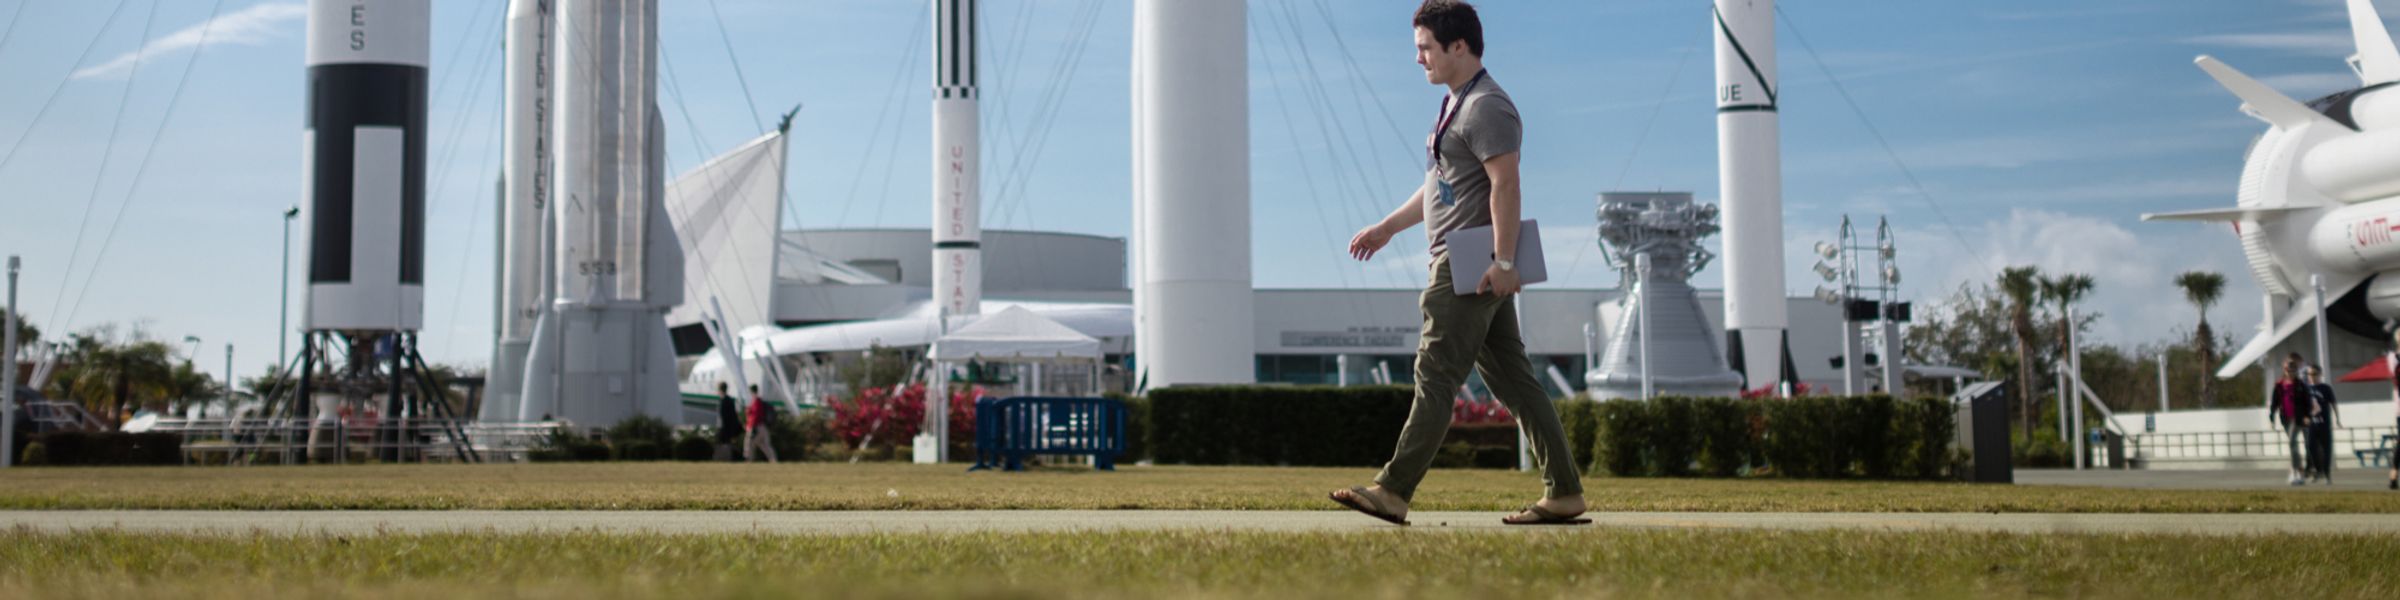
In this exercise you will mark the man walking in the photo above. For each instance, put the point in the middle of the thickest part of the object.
(2286, 405)
(2324, 412)
(759, 438)
(729, 423)
(1470, 181)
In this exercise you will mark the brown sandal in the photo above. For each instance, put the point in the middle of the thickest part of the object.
(1543, 516)
(1361, 502)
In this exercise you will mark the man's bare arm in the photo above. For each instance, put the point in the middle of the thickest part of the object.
(1507, 204)
(1371, 239)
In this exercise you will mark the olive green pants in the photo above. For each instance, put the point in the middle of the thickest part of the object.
(1478, 331)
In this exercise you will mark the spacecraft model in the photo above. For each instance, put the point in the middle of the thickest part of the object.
(1661, 335)
(2320, 196)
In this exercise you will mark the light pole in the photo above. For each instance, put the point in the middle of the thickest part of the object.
(283, 314)
(8, 371)
(228, 375)
(1840, 268)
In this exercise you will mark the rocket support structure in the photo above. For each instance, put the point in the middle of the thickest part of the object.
(1191, 172)
(524, 200)
(957, 161)
(600, 353)
(1750, 181)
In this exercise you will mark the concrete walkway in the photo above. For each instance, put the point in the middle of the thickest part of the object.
(849, 522)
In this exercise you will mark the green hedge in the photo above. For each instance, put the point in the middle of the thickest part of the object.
(1814, 437)
(81, 448)
(1277, 425)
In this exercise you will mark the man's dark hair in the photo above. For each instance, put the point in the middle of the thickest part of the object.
(754, 388)
(1451, 21)
(720, 387)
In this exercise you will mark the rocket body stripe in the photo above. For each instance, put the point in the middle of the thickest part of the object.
(957, 162)
(364, 148)
(1750, 181)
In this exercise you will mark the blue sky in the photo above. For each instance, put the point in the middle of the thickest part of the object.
(2039, 131)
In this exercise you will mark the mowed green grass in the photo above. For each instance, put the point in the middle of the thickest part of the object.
(1587, 563)
(826, 486)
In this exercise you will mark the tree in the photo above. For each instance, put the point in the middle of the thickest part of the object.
(2204, 288)
(27, 334)
(2066, 290)
(2022, 285)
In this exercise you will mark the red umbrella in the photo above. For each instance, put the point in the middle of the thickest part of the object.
(2376, 369)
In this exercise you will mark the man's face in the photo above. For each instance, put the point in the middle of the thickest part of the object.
(1440, 63)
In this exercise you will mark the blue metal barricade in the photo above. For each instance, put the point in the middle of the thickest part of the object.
(1009, 429)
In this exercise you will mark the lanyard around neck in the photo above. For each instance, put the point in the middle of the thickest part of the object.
(1433, 149)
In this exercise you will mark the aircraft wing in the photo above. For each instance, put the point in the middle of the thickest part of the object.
(2221, 214)
(2303, 312)
(2277, 109)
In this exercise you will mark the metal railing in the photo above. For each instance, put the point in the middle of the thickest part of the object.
(280, 440)
(2244, 445)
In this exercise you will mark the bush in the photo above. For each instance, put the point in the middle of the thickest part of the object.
(1277, 425)
(35, 455)
(1936, 424)
(1623, 442)
(563, 444)
(797, 436)
(1798, 436)
(1726, 442)
(1674, 436)
(641, 428)
(2043, 451)
(694, 446)
(80, 448)
(1869, 438)
(1137, 427)
(637, 450)
(1581, 417)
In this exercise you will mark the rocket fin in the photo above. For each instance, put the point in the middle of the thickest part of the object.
(2378, 59)
(2301, 315)
(2223, 215)
(2277, 109)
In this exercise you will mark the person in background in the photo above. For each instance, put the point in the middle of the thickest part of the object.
(2324, 414)
(758, 435)
(2392, 363)
(2285, 407)
(729, 423)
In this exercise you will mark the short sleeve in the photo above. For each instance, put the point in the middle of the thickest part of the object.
(1493, 127)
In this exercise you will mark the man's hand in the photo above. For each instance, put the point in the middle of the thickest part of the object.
(1369, 240)
(1498, 281)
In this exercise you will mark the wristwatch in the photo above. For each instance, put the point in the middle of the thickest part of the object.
(1505, 264)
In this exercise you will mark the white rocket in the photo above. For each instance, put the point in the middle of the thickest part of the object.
(363, 153)
(525, 191)
(957, 162)
(1750, 178)
(1191, 172)
(601, 353)
(2320, 196)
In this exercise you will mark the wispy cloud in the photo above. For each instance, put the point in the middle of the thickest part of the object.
(249, 26)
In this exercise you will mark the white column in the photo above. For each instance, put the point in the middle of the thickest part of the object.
(1750, 180)
(1192, 157)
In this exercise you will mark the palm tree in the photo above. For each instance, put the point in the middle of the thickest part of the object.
(2066, 290)
(2204, 288)
(2022, 285)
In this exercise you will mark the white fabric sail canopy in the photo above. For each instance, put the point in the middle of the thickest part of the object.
(1015, 335)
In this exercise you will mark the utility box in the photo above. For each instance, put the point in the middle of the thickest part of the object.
(1982, 410)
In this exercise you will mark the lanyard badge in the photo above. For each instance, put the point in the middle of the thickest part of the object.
(1433, 145)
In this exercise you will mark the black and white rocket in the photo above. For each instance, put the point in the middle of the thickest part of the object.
(1750, 179)
(363, 152)
(957, 162)
(600, 351)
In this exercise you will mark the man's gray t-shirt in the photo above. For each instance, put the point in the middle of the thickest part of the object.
(1486, 126)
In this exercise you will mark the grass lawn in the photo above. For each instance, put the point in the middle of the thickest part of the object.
(827, 486)
(1584, 563)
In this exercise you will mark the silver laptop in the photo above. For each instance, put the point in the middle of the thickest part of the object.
(1471, 255)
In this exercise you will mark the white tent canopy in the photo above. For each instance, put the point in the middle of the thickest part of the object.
(1015, 335)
